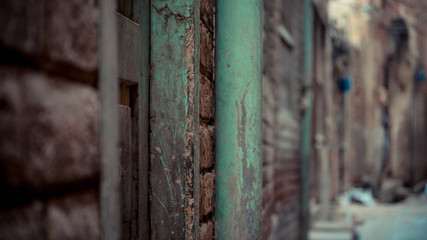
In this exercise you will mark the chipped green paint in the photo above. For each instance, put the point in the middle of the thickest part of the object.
(306, 121)
(174, 118)
(238, 105)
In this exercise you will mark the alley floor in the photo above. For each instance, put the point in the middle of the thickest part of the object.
(401, 221)
(406, 220)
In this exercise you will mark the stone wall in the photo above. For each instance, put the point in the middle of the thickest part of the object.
(49, 152)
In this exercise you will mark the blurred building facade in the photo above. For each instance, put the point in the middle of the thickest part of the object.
(387, 103)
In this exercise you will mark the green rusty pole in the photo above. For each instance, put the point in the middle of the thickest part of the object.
(238, 109)
(306, 122)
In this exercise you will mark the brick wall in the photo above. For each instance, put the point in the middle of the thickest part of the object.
(49, 153)
(207, 120)
(282, 77)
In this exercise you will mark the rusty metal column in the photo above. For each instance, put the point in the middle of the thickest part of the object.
(238, 116)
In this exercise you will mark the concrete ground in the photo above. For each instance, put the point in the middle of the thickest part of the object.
(401, 221)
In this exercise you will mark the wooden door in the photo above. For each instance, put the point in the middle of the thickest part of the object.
(133, 119)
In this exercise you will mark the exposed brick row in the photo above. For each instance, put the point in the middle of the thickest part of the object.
(207, 116)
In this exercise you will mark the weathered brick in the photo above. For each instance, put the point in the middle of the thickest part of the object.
(267, 211)
(207, 98)
(266, 196)
(268, 114)
(12, 151)
(71, 32)
(268, 154)
(265, 180)
(206, 193)
(206, 13)
(268, 134)
(22, 24)
(268, 102)
(206, 231)
(73, 217)
(58, 31)
(268, 91)
(266, 229)
(206, 51)
(48, 130)
(24, 222)
(206, 146)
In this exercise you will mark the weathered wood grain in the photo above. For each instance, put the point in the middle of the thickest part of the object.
(174, 119)
(143, 121)
(129, 8)
(129, 54)
(125, 169)
(135, 161)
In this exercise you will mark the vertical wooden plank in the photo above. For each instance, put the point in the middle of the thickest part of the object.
(134, 160)
(125, 168)
(174, 120)
(129, 44)
(143, 119)
(136, 16)
(108, 84)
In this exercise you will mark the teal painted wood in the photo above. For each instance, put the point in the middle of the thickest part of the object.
(109, 95)
(307, 118)
(144, 111)
(174, 119)
(238, 105)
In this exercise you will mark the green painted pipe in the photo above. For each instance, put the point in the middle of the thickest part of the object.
(306, 121)
(238, 118)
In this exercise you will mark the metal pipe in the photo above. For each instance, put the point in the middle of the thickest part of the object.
(238, 118)
(306, 122)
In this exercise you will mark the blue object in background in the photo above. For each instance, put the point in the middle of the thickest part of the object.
(420, 76)
(344, 84)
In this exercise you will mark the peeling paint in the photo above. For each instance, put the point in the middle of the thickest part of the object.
(238, 120)
(174, 102)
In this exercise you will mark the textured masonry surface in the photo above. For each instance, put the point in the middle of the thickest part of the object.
(49, 125)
